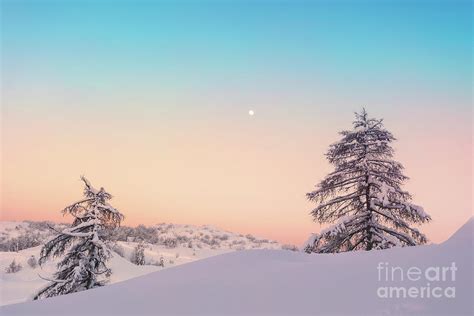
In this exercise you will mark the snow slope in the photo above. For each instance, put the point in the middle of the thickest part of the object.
(19, 287)
(275, 282)
(205, 241)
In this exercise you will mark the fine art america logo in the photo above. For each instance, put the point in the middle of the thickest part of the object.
(415, 282)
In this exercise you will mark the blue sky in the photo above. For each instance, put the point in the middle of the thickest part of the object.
(197, 42)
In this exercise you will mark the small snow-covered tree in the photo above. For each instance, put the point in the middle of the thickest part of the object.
(84, 264)
(362, 197)
(138, 255)
(32, 262)
(13, 267)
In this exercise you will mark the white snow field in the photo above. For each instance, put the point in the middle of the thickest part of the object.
(276, 282)
(173, 246)
(21, 286)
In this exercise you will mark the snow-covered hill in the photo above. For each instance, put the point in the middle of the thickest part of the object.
(20, 235)
(275, 282)
(168, 243)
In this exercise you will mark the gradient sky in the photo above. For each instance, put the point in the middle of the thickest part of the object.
(150, 99)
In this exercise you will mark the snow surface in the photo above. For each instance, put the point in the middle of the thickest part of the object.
(276, 282)
(20, 287)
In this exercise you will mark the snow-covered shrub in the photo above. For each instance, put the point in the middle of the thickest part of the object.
(223, 237)
(289, 247)
(144, 233)
(170, 242)
(42, 225)
(138, 255)
(13, 267)
(139, 233)
(159, 263)
(237, 244)
(215, 243)
(24, 241)
(32, 262)
(250, 237)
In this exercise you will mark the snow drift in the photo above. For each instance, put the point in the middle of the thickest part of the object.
(259, 282)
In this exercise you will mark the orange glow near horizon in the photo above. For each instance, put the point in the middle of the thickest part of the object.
(247, 175)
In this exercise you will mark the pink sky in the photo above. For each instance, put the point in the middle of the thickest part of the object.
(240, 173)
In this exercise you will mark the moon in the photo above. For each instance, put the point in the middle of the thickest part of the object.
(251, 112)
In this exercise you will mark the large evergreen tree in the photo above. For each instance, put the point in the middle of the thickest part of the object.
(362, 197)
(84, 264)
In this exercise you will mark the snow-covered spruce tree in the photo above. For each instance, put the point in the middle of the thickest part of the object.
(84, 264)
(362, 197)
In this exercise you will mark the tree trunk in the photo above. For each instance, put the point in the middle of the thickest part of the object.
(369, 244)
